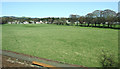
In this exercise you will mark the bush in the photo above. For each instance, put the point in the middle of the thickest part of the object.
(107, 59)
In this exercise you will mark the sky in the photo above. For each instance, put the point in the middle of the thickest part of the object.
(59, 0)
(54, 9)
(119, 6)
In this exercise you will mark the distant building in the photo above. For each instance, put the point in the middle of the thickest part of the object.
(76, 22)
(46, 22)
(20, 23)
(25, 22)
(37, 22)
(9, 22)
(40, 22)
(13, 22)
(67, 21)
(32, 22)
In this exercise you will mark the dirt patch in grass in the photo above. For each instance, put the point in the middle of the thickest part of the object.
(14, 62)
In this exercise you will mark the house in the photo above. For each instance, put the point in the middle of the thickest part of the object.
(25, 22)
(20, 23)
(67, 21)
(106, 22)
(39, 22)
(46, 22)
(32, 22)
(76, 22)
(9, 22)
(13, 22)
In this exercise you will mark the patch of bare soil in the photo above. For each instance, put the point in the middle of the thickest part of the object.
(14, 63)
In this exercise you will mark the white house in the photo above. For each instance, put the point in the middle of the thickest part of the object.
(76, 22)
(32, 22)
(106, 22)
(83, 22)
(13, 22)
(67, 21)
(39, 22)
(25, 22)
(20, 23)
(9, 22)
(46, 22)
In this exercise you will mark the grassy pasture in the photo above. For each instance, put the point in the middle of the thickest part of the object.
(67, 44)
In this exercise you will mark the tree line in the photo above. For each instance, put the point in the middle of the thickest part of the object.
(98, 18)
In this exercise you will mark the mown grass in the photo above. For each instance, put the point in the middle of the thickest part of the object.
(67, 44)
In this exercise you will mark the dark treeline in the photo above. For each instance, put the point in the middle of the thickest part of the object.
(98, 18)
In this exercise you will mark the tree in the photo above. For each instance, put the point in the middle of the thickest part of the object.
(109, 13)
(108, 19)
(63, 21)
(97, 13)
(88, 18)
(88, 21)
(81, 20)
(99, 19)
(73, 18)
(103, 21)
(5, 20)
(94, 20)
(118, 17)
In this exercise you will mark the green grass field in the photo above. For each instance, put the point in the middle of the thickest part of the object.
(68, 44)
